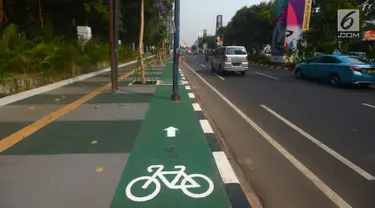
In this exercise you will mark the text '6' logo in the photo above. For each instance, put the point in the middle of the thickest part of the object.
(348, 21)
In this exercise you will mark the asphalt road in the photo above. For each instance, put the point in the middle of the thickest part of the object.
(299, 143)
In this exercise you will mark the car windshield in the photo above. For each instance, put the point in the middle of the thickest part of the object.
(236, 51)
(355, 60)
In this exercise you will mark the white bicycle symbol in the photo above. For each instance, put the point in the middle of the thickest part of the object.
(186, 183)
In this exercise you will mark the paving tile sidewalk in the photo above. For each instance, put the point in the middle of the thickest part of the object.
(77, 159)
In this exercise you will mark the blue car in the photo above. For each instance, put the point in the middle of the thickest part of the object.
(338, 69)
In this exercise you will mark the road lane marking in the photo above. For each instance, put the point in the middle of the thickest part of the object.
(197, 107)
(222, 78)
(267, 76)
(225, 169)
(191, 95)
(330, 151)
(368, 105)
(14, 138)
(206, 126)
(187, 87)
(203, 65)
(335, 198)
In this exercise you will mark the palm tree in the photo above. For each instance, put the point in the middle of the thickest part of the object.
(140, 48)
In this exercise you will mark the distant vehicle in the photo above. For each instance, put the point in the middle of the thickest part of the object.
(338, 69)
(230, 58)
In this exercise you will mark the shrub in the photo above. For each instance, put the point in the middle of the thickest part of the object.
(26, 64)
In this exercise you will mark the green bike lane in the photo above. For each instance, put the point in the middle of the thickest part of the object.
(182, 167)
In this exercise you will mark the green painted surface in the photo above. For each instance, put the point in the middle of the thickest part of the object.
(189, 149)
(63, 137)
(44, 99)
(122, 98)
(8, 128)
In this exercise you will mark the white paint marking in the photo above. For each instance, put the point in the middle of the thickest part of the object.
(183, 78)
(220, 77)
(206, 126)
(267, 76)
(171, 131)
(225, 169)
(191, 95)
(368, 105)
(187, 87)
(197, 107)
(321, 145)
(335, 198)
(131, 83)
(185, 82)
(159, 176)
(203, 65)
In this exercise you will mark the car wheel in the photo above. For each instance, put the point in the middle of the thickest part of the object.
(334, 80)
(298, 73)
(243, 73)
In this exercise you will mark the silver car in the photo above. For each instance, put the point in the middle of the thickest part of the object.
(230, 58)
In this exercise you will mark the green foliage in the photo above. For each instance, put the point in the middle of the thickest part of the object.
(48, 59)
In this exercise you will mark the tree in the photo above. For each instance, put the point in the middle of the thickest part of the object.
(140, 46)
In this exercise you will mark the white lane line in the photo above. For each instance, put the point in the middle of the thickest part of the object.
(225, 169)
(203, 65)
(220, 77)
(197, 107)
(335, 198)
(191, 95)
(185, 82)
(330, 151)
(206, 126)
(187, 87)
(368, 105)
(267, 76)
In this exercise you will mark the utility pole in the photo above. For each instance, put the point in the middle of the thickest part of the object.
(113, 38)
(176, 52)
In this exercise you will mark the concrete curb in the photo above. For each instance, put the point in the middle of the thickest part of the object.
(26, 94)
(231, 182)
(272, 66)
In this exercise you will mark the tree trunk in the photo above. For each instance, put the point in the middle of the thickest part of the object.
(40, 14)
(140, 48)
(3, 17)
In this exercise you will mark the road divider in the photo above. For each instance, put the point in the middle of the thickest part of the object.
(330, 151)
(232, 184)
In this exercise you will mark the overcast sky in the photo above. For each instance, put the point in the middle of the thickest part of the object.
(197, 15)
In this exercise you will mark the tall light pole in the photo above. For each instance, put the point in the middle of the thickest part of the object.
(176, 52)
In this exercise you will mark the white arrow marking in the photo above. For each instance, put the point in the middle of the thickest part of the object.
(171, 131)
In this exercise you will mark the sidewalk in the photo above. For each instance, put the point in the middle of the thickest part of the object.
(82, 146)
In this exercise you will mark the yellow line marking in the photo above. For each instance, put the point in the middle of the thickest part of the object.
(14, 138)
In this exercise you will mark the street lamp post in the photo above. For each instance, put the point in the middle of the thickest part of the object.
(176, 52)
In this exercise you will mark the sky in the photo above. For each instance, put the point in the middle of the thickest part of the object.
(197, 15)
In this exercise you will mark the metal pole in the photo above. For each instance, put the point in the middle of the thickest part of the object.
(176, 52)
(112, 46)
(116, 37)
